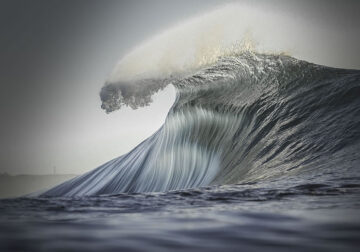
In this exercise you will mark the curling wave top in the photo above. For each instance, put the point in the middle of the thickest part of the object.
(187, 47)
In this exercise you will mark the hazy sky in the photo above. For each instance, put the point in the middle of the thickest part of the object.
(56, 55)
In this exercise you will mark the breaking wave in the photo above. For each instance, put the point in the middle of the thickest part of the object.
(245, 118)
(241, 114)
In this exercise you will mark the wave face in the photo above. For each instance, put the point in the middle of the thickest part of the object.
(245, 118)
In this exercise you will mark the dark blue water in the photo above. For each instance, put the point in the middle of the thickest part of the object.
(297, 214)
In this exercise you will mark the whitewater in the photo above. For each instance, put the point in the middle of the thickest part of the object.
(259, 150)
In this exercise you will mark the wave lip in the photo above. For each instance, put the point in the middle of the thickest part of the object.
(134, 94)
(246, 118)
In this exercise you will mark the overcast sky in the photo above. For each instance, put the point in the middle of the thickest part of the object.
(56, 55)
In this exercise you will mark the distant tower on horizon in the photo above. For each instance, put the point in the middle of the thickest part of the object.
(54, 170)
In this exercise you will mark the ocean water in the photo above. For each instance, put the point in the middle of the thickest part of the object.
(296, 214)
(260, 152)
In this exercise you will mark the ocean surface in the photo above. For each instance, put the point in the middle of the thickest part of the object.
(259, 152)
(294, 214)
